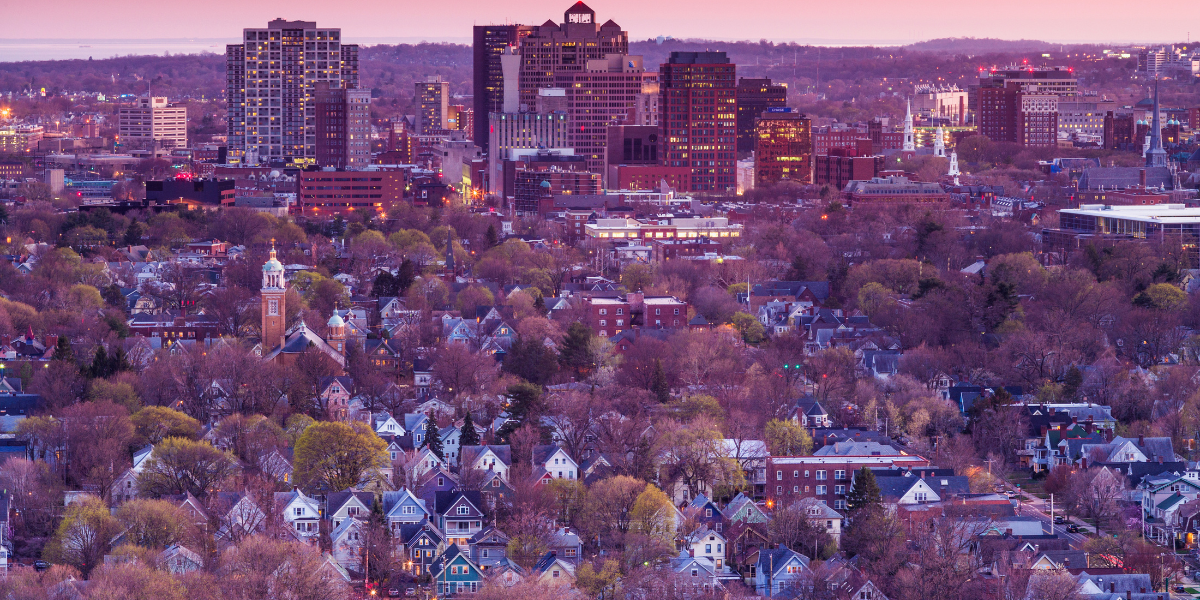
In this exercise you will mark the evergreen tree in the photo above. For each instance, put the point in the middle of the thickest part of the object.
(385, 285)
(864, 493)
(531, 360)
(99, 366)
(658, 383)
(1073, 382)
(133, 234)
(63, 351)
(468, 437)
(540, 304)
(405, 275)
(576, 351)
(432, 439)
(492, 238)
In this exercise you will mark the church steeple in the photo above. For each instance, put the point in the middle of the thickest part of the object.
(909, 143)
(1156, 156)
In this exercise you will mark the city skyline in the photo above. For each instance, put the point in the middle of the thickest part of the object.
(380, 22)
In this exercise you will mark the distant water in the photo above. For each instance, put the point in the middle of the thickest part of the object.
(58, 49)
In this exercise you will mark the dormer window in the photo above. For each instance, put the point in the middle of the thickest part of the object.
(462, 510)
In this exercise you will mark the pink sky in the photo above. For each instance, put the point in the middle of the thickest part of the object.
(822, 22)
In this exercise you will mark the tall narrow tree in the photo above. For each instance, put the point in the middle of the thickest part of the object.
(432, 439)
(468, 437)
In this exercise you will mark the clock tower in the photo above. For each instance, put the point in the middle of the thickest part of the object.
(273, 311)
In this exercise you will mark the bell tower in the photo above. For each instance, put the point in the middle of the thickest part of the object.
(273, 310)
(337, 332)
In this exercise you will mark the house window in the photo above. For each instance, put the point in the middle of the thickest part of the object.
(485, 553)
(708, 548)
(839, 504)
(841, 475)
(409, 510)
(495, 483)
(603, 323)
(820, 490)
(352, 511)
(795, 488)
(298, 511)
(554, 573)
(806, 473)
(462, 510)
(795, 473)
(779, 475)
(620, 311)
(570, 553)
(839, 490)
(604, 311)
(677, 312)
(441, 481)
(779, 489)
(821, 476)
(708, 512)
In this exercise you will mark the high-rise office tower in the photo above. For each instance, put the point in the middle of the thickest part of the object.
(550, 50)
(783, 148)
(152, 121)
(754, 97)
(605, 93)
(271, 78)
(699, 118)
(343, 127)
(491, 41)
(433, 105)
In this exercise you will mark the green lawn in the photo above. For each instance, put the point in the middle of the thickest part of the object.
(1191, 590)
(1028, 485)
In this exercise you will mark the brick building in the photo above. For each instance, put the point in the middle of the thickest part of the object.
(1009, 114)
(333, 192)
(754, 97)
(343, 127)
(840, 167)
(550, 50)
(699, 118)
(825, 478)
(783, 148)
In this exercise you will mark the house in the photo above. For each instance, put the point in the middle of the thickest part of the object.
(238, 516)
(507, 573)
(743, 509)
(698, 573)
(706, 512)
(348, 505)
(551, 462)
(459, 515)
(808, 412)
(497, 458)
(778, 570)
(438, 480)
(427, 462)
(277, 463)
(743, 541)
(178, 560)
(301, 513)
(566, 545)
(335, 395)
(824, 517)
(455, 574)
(403, 508)
(489, 547)
(552, 570)
(423, 542)
(708, 544)
(913, 489)
(385, 425)
(347, 540)
(125, 488)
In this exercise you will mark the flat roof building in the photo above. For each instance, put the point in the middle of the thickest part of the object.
(152, 122)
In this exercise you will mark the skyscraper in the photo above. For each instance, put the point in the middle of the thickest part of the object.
(490, 43)
(271, 78)
(699, 118)
(550, 50)
(433, 105)
(342, 124)
(783, 149)
(152, 121)
(605, 93)
(754, 97)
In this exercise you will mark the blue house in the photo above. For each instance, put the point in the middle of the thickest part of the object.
(423, 542)
(460, 515)
(707, 512)
(454, 573)
(778, 570)
(403, 508)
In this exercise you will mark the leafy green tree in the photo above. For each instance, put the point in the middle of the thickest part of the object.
(785, 438)
(180, 465)
(433, 440)
(751, 329)
(333, 456)
(468, 437)
(153, 524)
(154, 423)
(83, 535)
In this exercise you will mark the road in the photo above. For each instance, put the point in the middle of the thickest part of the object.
(1032, 506)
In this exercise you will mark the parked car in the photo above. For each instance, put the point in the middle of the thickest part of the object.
(394, 593)
(1074, 528)
(410, 592)
(40, 565)
(1059, 520)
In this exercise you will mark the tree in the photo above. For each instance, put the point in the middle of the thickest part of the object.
(530, 359)
(433, 440)
(153, 524)
(751, 329)
(332, 456)
(154, 423)
(600, 583)
(610, 508)
(653, 514)
(658, 383)
(83, 535)
(259, 567)
(791, 527)
(468, 437)
(787, 438)
(135, 581)
(576, 353)
(864, 493)
(180, 465)
(97, 436)
(33, 491)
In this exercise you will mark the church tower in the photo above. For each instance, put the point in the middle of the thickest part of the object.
(273, 311)
(337, 332)
(909, 141)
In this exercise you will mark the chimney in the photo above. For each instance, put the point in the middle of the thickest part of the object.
(1128, 594)
(1141, 440)
(1112, 587)
(1160, 460)
(691, 553)
(1083, 462)
(51, 341)
(1074, 420)
(1142, 177)
(1008, 532)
